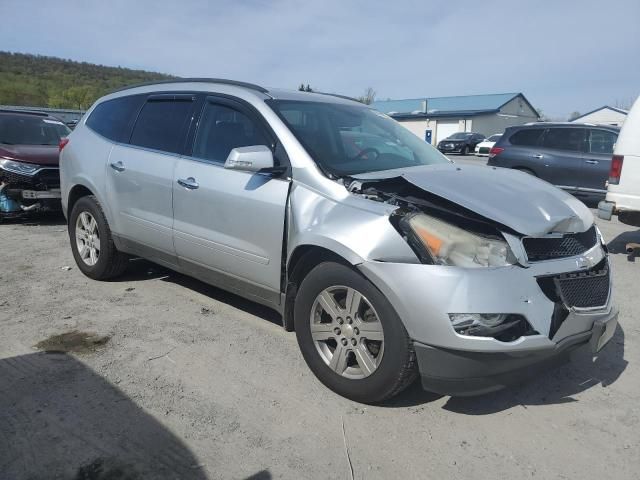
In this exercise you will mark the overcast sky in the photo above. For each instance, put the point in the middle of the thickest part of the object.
(563, 55)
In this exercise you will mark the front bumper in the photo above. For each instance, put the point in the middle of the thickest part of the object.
(425, 295)
(464, 373)
(454, 149)
(20, 193)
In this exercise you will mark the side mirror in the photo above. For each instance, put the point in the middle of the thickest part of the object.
(250, 159)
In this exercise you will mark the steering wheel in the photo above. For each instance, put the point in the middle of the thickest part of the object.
(365, 153)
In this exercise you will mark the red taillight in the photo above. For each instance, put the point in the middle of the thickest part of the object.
(63, 143)
(495, 151)
(616, 169)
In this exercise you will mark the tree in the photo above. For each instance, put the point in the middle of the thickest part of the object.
(368, 97)
(574, 115)
(541, 115)
(624, 103)
(302, 88)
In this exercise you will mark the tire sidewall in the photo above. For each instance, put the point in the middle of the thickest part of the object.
(380, 383)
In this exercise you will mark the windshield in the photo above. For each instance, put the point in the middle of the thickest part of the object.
(351, 139)
(494, 138)
(31, 130)
(459, 136)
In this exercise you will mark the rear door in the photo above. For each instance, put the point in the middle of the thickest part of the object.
(229, 224)
(140, 174)
(560, 156)
(597, 161)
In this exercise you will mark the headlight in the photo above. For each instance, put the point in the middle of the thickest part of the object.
(18, 167)
(451, 245)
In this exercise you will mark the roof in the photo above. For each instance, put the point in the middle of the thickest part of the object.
(604, 107)
(447, 106)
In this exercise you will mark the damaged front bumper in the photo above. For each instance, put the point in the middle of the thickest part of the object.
(451, 363)
(21, 193)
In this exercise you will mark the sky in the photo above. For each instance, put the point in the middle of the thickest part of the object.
(564, 55)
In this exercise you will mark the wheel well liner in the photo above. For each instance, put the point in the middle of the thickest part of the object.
(303, 259)
(76, 193)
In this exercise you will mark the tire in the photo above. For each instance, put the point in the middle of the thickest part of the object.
(465, 150)
(109, 262)
(394, 356)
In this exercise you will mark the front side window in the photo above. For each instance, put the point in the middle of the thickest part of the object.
(161, 123)
(529, 137)
(353, 139)
(569, 139)
(221, 129)
(602, 141)
(112, 118)
(31, 130)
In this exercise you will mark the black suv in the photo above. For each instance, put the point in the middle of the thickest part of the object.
(573, 156)
(461, 142)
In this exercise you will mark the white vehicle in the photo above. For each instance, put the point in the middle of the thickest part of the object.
(623, 190)
(484, 147)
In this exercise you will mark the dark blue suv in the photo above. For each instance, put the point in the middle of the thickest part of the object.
(573, 156)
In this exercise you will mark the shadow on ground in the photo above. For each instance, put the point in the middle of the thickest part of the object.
(618, 244)
(38, 218)
(59, 419)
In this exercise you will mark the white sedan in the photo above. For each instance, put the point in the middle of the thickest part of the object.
(483, 148)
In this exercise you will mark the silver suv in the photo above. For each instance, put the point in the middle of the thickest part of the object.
(388, 260)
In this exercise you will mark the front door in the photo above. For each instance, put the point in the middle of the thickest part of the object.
(228, 224)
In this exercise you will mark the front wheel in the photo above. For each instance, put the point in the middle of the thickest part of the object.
(350, 336)
(91, 242)
(465, 150)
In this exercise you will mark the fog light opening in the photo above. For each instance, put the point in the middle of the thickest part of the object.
(504, 327)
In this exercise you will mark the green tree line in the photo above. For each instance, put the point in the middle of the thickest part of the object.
(40, 81)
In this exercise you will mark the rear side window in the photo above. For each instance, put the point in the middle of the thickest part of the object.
(602, 141)
(570, 139)
(222, 129)
(162, 122)
(528, 137)
(112, 118)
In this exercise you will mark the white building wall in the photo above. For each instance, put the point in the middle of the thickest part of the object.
(604, 116)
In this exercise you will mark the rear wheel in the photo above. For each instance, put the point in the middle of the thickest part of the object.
(91, 242)
(350, 336)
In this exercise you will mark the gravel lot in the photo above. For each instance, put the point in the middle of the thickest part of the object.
(193, 382)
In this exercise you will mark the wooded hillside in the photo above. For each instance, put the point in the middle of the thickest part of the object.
(39, 81)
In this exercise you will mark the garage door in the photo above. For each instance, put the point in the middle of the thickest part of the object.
(444, 129)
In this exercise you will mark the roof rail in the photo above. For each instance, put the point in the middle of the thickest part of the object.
(344, 97)
(25, 112)
(223, 81)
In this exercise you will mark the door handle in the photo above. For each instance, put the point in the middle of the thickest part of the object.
(117, 166)
(591, 162)
(538, 156)
(189, 183)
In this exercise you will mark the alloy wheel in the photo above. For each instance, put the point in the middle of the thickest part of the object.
(87, 238)
(347, 332)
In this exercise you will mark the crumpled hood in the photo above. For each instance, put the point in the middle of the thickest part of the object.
(37, 154)
(517, 200)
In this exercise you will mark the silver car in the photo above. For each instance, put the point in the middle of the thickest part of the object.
(388, 260)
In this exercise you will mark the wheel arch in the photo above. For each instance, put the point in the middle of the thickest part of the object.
(300, 262)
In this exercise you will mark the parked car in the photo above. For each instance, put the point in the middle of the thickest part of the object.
(623, 191)
(461, 142)
(29, 175)
(388, 263)
(573, 156)
(484, 147)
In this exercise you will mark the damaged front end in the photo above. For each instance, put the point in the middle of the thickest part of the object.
(517, 273)
(26, 187)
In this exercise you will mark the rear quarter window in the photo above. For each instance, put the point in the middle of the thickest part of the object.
(528, 137)
(112, 118)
